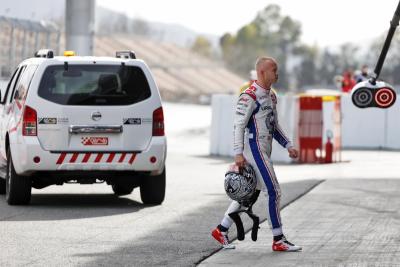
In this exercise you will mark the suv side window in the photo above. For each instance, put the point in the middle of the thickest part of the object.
(10, 85)
(25, 81)
(10, 91)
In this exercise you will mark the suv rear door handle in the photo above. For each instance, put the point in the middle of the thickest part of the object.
(95, 129)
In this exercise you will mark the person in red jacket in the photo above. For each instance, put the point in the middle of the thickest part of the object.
(348, 81)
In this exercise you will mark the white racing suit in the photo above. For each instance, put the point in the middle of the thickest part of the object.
(255, 125)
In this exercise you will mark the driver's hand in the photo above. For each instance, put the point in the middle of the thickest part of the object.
(293, 153)
(240, 161)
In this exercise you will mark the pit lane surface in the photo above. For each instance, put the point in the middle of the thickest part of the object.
(86, 225)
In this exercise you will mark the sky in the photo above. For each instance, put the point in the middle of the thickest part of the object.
(324, 22)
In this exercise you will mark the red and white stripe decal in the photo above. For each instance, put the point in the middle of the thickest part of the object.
(20, 105)
(14, 129)
(132, 158)
(86, 157)
(61, 158)
(96, 158)
(73, 158)
(110, 157)
(122, 157)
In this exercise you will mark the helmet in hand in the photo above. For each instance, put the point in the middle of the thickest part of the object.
(240, 184)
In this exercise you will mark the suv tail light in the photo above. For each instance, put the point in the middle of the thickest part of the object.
(158, 122)
(29, 122)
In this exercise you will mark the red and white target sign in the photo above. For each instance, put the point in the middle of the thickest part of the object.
(94, 141)
(385, 97)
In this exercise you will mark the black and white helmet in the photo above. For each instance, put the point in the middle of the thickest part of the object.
(240, 185)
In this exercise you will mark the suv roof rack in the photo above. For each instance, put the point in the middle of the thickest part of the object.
(46, 53)
(125, 54)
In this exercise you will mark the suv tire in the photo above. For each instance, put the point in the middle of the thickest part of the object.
(122, 189)
(18, 188)
(152, 189)
(2, 186)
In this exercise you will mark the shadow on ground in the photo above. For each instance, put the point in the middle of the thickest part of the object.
(45, 207)
(187, 241)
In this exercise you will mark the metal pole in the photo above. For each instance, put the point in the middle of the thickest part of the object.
(79, 26)
(393, 25)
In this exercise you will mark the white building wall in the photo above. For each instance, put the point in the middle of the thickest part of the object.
(362, 128)
(369, 128)
(393, 126)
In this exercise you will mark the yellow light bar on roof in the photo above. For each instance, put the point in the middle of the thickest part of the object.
(329, 98)
(69, 53)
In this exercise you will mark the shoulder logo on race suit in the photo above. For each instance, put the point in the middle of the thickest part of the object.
(94, 141)
(243, 99)
(47, 120)
(132, 121)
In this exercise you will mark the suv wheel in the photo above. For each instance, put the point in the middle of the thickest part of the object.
(18, 188)
(122, 189)
(152, 189)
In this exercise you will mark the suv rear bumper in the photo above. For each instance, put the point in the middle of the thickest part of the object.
(25, 152)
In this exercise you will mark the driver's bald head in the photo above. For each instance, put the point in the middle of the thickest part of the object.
(263, 62)
(267, 71)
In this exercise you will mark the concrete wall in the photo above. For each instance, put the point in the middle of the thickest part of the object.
(370, 128)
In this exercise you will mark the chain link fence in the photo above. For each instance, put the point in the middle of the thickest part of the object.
(20, 39)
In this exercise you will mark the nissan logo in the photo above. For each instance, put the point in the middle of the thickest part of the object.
(96, 116)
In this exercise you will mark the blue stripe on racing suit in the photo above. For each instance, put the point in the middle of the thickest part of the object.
(263, 169)
(280, 137)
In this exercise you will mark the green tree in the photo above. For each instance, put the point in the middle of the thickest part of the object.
(271, 34)
(227, 44)
(306, 71)
(329, 67)
(348, 56)
(202, 46)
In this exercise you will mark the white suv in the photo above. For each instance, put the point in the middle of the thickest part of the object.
(83, 120)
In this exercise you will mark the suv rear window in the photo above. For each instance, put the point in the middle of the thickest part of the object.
(94, 85)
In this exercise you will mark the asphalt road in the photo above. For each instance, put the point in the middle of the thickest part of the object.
(86, 225)
(341, 222)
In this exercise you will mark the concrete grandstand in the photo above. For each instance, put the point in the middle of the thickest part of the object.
(181, 74)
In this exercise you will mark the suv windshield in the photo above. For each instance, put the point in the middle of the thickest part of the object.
(94, 85)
